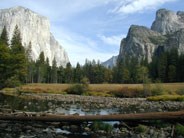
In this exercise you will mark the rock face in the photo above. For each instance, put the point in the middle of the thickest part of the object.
(111, 62)
(140, 43)
(168, 22)
(34, 28)
(167, 32)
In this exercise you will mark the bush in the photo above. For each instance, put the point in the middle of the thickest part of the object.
(77, 89)
(166, 98)
(12, 82)
(141, 129)
(157, 90)
(179, 129)
(180, 91)
(126, 92)
(98, 125)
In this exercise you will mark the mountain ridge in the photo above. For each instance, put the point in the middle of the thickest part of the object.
(167, 31)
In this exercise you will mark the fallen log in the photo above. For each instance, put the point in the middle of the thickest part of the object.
(76, 118)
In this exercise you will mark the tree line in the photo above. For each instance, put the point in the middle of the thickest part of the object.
(17, 66)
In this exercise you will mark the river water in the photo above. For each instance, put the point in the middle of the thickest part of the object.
(32, 105)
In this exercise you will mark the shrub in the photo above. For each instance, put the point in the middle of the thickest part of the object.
(166, 98)
(77, 89)
(179, 129)
(126, 92)
(98, 125)
(157, 89)
(12, 82)
(180, 91)
(141, 129)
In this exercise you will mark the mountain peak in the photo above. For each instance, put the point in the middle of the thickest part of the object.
(167, 22)
(34, 28)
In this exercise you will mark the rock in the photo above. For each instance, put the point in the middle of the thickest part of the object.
(141, 110)
(167, 21)
(160, 110)
(49, 104)
(74, 128)
(139, 43)
(110, 62)
(34, 28)
(25, 107)
(167, 32)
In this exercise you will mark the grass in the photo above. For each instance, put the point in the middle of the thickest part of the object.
(179, 129)
(98, 89)
(166, 98)
(45, 88)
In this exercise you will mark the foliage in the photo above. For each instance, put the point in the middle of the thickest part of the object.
(157, 89)
(126, 92)
(77, 89)
(12, 82)
(141, 128)
(180, 91)
(166, 98)
(179, 129)
(98, 125)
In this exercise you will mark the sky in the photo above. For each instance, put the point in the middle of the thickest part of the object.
(93, 29)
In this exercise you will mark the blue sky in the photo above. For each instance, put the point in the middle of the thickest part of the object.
(93, 29)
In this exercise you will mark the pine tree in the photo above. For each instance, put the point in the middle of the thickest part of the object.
(54, 71)
(48, 71)
(4, 58)
(40, 68)
(68, 73)
(18, 57)
(61, 75)
(78, 74)
(162, 67)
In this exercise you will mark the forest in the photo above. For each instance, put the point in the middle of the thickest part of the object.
(17, 67)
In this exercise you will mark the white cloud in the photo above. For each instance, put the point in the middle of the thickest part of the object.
(80, 48)
(112, 40)
(133, 6)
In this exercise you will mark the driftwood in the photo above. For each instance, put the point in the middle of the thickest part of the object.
(76, 118)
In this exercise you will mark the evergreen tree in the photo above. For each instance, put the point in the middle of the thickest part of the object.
(4, 37)
(48, 71)
(18, 57)
(54, 71)
(68, 73)
(30, 64)
(61, 75)
(126, 75)
(162, 67)
(4, 58)
(78, 74)
(40, 68)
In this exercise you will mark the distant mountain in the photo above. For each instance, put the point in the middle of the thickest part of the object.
(167, 32)
(34, 28)
(111, 62)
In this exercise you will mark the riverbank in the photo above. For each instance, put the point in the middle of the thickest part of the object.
(86, 105)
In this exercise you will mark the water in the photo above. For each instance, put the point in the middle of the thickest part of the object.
(33, 105)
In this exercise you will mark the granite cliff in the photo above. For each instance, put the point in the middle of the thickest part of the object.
(167, 32)
(34, 28)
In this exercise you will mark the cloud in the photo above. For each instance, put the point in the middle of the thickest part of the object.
(111, 40)
(133, 6)
(80, 47)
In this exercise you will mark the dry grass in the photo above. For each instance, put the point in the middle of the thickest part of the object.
(166, 98)
(96, 89)
(45, 88)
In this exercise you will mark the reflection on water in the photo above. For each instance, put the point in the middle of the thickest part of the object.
(34, 105)
(79, 111)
